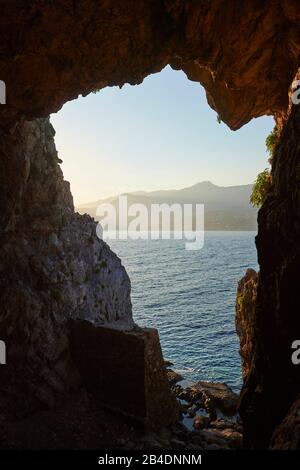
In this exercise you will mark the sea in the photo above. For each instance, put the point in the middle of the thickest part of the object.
(189, 296)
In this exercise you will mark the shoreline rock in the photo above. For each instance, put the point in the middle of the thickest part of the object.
(217, 395)
(173, 377)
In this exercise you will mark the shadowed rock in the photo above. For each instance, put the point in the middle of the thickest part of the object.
(218, 394)
(245, 317)
(124, 371)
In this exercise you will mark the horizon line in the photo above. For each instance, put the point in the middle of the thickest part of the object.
(139, 191)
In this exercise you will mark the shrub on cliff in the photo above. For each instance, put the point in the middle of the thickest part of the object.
(264, 179)
(271, 142)
(261, 187)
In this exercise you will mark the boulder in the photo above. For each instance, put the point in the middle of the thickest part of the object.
(219, 395)
(201, 422)
(227, 438)
(173, 377)
(124, 370)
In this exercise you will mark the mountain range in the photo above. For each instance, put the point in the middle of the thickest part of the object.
(225, 207)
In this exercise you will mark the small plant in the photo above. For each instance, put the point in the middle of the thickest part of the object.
(264, 179)
(271, 142)
(261, 187)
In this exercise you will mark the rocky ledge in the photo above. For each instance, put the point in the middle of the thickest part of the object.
(214, 396)
(209, 420)
(124, 371)
(219, 435)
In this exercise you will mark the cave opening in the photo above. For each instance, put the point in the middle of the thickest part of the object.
(246, 55)
(145, 141)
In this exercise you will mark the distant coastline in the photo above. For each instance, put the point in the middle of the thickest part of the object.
(225, 208)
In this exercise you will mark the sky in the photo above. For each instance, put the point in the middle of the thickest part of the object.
(158, 135)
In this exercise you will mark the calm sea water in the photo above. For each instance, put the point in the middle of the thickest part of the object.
(189, 296)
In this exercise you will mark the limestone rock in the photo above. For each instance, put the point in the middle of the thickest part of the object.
(201, 422)
(287, 434)
(273, 381)
(173, 377)
(228, 47)
(224, 439)
(219, 394)
(124, 371)
(245, 317)
(52, 268)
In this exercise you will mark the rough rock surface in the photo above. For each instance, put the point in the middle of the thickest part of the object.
(173, 377)
(287, 434)
(201, 422)
(125, 372)
(245, 317)
(51, 52)
(52, 267)
(218, 394)
(273, 381)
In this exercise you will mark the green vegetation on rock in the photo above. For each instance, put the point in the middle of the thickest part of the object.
(261, 187)
(263, 181)
(271, 142)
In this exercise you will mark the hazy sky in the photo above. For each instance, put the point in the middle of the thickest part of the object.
(158, 135)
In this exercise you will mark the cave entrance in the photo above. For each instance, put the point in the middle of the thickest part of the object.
(155, 141)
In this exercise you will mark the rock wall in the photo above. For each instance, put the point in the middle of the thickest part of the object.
(287, 434)
(244, 53)
(245, 318)
(52, 268)
(272, 381)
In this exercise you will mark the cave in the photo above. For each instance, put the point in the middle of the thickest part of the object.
(246, 56)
